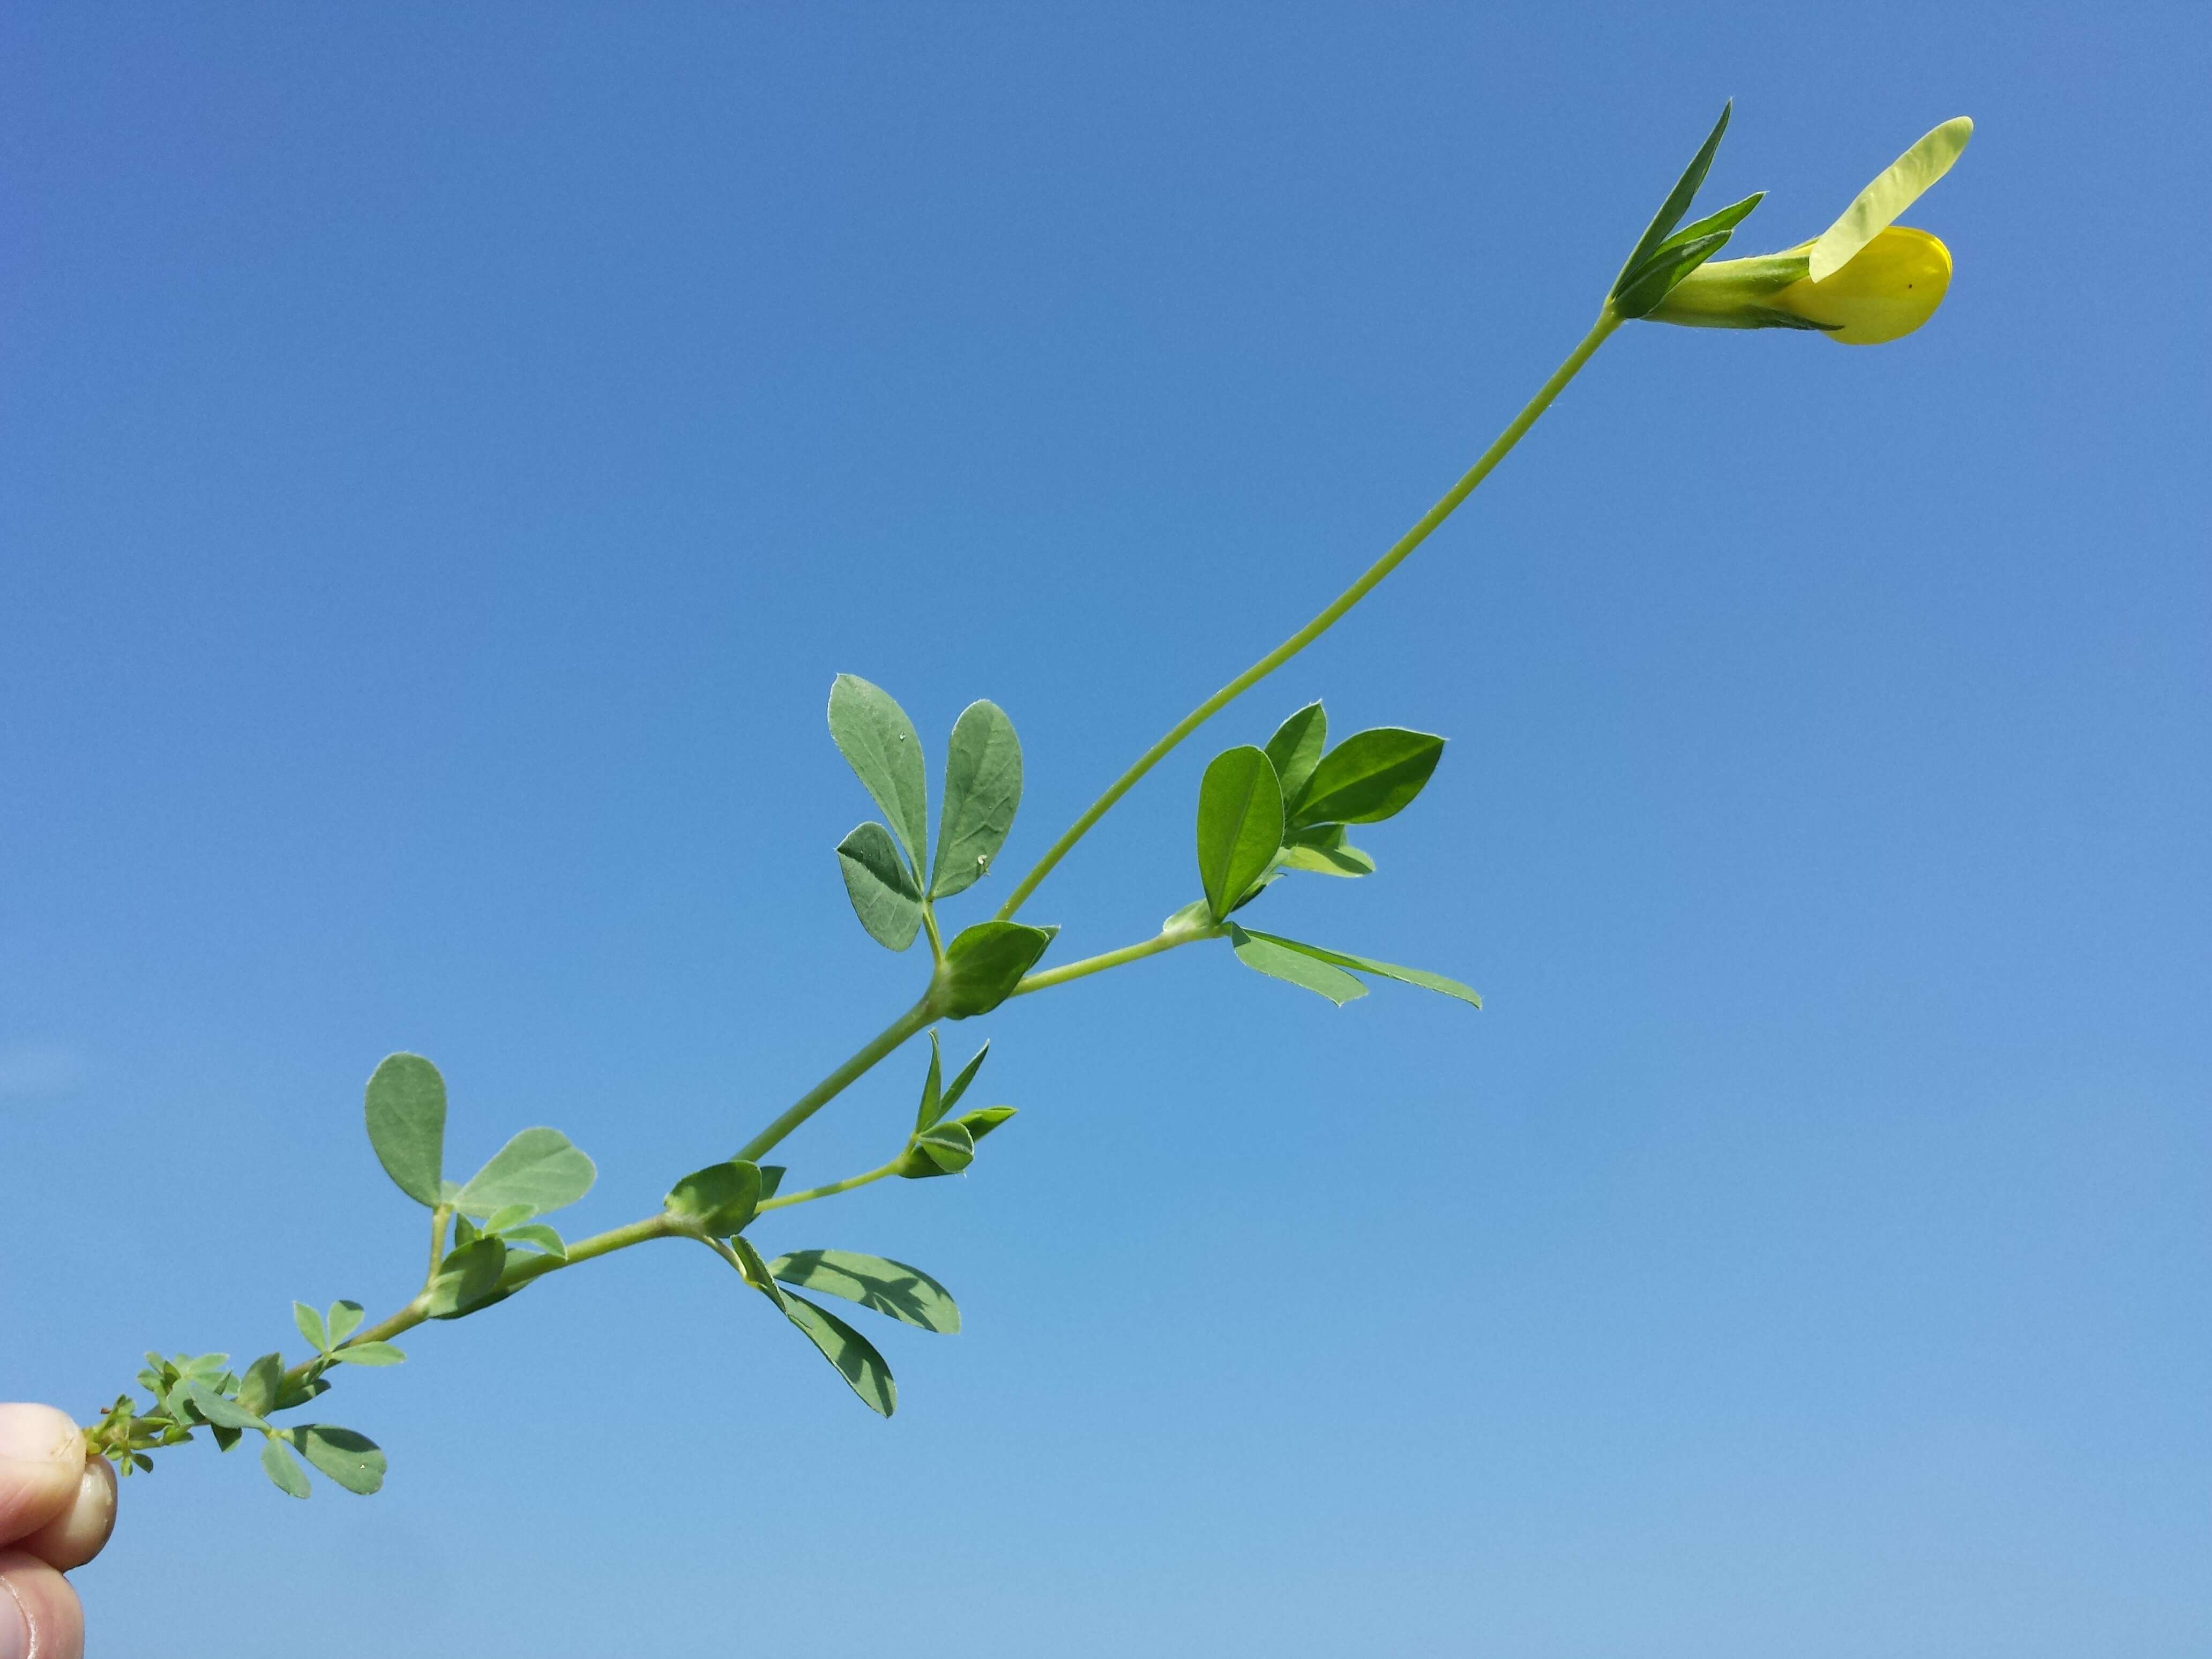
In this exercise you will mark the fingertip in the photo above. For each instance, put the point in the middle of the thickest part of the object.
(41, 1617)
(80, 1531)
(41, 1467)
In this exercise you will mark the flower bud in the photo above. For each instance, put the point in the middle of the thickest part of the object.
(1883, 292)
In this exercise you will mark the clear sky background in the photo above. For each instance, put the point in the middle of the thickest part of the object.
(447, 452)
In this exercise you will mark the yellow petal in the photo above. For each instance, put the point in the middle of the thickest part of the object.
(1896, 190)
(1892, 287)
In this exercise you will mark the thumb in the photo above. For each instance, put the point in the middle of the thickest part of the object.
(41, 1468)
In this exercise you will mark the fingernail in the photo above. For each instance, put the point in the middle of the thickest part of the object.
(39, 1434)
(14, 1625)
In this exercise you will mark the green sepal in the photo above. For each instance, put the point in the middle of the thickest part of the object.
(875, 1282)
(984, 964)
(950, 1146)
(1676, 204)
(883, 890)
(932, 1088)
(979, 1121)
(717, 1200)
(958, 1086)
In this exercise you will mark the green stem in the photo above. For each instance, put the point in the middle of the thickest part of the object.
(1099, 964)
(835, 1187)
(1369, 579)
(828, 1089)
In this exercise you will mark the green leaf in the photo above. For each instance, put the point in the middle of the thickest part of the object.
(1677, 203)
(1294, 967)
(1240, 825)
(880, 743)
(465, 1231)
(852, 1354)
(257, 1390)
(932, 1088)
(1727, 219)
(280, 1466)
(508, 1216)
(406, 1108)
(354, 1460)
(1324, 851)
(1368, 777)
(370, 1353)
(1878, 205)
(343, 1319)
(538, 1167)
(771, 1178)
(1663, 271)
(312, 1326)
(467, 1280)
(950, 1146)
(755, 1271)
(882, 889)
(979, 1121)
(222, 1412)
(298, 1391)
(1420, 977)
(982, 787)
(874, 1282)
(958, 1086)
(1295, 748)
(984, 964)
(717, 1200)
(539, 1236)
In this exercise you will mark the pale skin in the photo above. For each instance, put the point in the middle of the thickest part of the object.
(57, 1508)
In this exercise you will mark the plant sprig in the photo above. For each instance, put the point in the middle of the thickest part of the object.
(1264, 811)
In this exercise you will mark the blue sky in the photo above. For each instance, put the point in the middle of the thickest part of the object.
(448, 451)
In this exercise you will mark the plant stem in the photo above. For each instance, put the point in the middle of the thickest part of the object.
(1369, 579)
(835, 1187)
(828, 1089)
(1164, 940)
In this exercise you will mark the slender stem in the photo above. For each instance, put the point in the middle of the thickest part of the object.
(826, 1090)
(1607, 322)
(1099, 964)
(936, 939)
(439, 1217)
(835, 1187)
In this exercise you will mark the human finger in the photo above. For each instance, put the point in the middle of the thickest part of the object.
(41, 1467)
(39, 1615)
(80, 1531)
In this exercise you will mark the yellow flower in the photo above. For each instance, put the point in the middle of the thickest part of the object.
(1862, 281)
